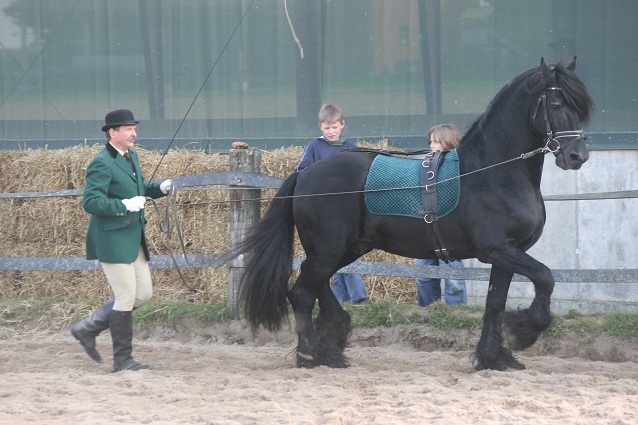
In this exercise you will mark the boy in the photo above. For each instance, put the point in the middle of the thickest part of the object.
(346, 287)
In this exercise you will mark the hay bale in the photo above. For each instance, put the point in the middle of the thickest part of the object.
(56, 227)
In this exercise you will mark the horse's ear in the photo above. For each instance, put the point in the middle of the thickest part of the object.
(572, 66)
(545, 70)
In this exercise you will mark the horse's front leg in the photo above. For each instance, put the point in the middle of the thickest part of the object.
(333, 329)
(523, 327)
(490, 352)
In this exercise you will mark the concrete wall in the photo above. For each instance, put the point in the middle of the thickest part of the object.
(589, 234)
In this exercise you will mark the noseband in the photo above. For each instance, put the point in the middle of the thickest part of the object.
(553, 136)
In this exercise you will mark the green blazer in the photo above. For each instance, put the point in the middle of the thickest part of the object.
(112, 237)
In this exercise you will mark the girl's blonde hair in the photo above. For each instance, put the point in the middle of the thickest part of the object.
(447, 134)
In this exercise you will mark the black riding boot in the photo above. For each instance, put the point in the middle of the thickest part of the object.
(88, 329)
(122, 336)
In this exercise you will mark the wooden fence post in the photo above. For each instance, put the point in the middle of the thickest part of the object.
(245, 210)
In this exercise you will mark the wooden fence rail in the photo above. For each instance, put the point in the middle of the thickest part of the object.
(242, 178)
(359, 267)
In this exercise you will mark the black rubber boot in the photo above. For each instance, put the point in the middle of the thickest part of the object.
(88, 329)
(122, 336)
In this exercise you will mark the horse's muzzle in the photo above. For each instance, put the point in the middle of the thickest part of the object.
(573, 154)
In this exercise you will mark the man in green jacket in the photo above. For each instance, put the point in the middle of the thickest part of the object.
(115, 195)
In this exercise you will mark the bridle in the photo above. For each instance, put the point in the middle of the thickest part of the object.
(551, 135)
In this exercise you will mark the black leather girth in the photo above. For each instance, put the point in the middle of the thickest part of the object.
(429, 171)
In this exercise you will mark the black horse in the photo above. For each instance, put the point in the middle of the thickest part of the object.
(500, 215)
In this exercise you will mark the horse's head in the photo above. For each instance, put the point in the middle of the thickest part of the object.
(562, 109)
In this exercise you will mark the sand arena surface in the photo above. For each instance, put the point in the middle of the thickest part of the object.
(222, 375)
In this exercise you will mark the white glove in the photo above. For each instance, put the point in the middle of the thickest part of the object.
(134, 204)
(166, 186)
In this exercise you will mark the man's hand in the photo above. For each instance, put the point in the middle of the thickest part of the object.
(166, 186)
(134, 204)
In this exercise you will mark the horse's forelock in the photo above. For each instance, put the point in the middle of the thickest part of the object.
(574, 92)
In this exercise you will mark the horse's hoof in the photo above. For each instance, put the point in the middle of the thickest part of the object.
(511, 340)
(501, 366)
(306, 361)
(512, 363)
(518, 331)
(338, 364)
(503, 362)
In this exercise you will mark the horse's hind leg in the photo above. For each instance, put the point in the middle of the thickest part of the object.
(302, 300)
(323, 343)
(333, 329)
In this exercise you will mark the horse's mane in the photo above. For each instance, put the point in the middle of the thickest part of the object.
(574, 91)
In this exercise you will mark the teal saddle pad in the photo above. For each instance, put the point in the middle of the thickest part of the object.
(393, 186)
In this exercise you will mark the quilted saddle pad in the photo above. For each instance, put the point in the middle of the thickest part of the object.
(393, 186)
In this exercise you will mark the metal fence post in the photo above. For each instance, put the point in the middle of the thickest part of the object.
(245, 210)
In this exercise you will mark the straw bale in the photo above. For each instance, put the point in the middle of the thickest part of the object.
(56, 227)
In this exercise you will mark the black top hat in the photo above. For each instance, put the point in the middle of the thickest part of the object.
(117, 118)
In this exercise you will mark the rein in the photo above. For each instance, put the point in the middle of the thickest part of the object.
(552, 137)
(351, 192)
(201, 88)
(527, 155)
(165, 227)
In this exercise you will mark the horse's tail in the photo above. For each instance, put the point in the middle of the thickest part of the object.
(269, 250)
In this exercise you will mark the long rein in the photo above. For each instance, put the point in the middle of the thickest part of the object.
(170, 216)
(165, 225)
(543, 150)
(551, 137)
